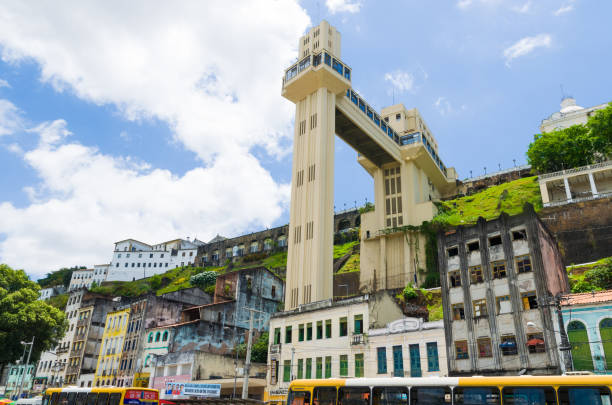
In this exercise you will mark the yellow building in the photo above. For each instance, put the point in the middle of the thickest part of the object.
(111, 347)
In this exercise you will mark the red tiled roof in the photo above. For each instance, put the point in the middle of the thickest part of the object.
(587, 298)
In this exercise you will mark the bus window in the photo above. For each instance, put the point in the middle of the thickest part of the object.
(102, 398)
(354, 396)
(389, 396)
(45, 400)
(81, 398)
(115, 398)
(92, 397)
(430, 395)
(72, 398)
(584, 395)
(298, 398)
(476, 396)
(324, 396)
(529, 396)
(63, 398)
(54, 398)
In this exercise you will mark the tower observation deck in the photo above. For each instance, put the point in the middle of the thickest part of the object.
(394, 146)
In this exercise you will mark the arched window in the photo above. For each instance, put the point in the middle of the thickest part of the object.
(150, 337)
(146, 363)
(165, 336)
(581, 349)
(605, 330)
(157, 337)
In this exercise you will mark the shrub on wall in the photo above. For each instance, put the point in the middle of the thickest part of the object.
(204, 279)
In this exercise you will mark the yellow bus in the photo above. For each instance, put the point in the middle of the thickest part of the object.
(101, 396)
(520, 390)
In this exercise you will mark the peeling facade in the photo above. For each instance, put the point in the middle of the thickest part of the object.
(500, 280)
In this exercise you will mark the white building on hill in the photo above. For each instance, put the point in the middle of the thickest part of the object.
(81, 278)
(134, 260)
(570, 114)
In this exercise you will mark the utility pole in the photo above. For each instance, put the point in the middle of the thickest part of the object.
(26, 366)
(247, 364)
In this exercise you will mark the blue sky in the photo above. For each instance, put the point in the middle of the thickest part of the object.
(118, 122)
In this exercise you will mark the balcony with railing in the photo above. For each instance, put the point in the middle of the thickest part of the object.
(315, 71)
(275, 349)
(358, 339)
(316, 60)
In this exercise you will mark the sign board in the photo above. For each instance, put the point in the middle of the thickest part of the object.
(202, 390)
(193, 389)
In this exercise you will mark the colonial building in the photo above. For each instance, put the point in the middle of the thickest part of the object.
(46, 293)
(134, 260)
(109, 357)
(81, 278)
(356, 337)
(52, 364)
(85, 348)
(407, 347)
(587, 318)
(500, 279)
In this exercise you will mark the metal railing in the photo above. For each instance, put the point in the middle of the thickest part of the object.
(576, 170)
(578, 199)
(315, 60)
(400, 140)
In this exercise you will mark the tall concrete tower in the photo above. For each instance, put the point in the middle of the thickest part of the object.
(313, 84)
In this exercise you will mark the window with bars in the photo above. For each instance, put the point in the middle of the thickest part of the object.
(476, 275)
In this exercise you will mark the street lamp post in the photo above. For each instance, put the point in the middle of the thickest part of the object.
(31, 344)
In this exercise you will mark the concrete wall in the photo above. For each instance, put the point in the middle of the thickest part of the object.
(583, 230)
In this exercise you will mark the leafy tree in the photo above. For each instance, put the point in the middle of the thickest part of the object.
(22, 316)
(259, 350)
(563, 149)
(204, 279)
(156, 282)
(601, 276)
(600, 124)
(578, 145)
(58, 277)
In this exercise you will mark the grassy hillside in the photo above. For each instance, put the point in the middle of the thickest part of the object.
(591, 277)
(490, 203)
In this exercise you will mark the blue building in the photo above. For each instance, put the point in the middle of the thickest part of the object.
(588, 321)
(16, 374)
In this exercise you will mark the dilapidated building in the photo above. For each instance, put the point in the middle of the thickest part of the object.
(500, 279)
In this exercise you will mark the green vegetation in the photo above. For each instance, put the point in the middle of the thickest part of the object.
(259, 350)
(59, 301)
(23, 316)
(366, 208)
(351, 265)
(345, 248)
(204, 279)
(431, 299)
(275, 260)
(490, 203)
(409, 293)
(592, 277)
(578, 145)
(58, 277)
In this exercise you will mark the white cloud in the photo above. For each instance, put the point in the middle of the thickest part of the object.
(444, 106)
(525, 46)
(565, 8)
(464, 3)
(86, 200)
(10, 118)
(209, 70)
(400, 80)
(523, 9)
(4, 83)
(343, 6)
